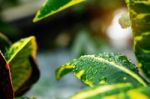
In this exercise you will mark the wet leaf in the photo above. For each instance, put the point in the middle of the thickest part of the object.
(6, 90)
(106, 68)
(51, 7)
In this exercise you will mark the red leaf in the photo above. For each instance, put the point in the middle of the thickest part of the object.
(6, 89)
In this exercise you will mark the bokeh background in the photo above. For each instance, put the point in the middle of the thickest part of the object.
(87, 28)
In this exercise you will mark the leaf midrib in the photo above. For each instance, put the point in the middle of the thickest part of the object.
(122, 68)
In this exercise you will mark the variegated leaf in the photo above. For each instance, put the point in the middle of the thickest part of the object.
(51, 7)
(18, 57)
(140, 19)
(102, 69)
(117, 91)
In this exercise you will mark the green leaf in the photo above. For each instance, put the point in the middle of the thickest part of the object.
(4, 43)
(140, 19)
(106, 68)
(32, 79)
(137, 93)
(6, 90)
(25, 98)
(117, 91)
(51, 7)
(18, 58)
(100, 92)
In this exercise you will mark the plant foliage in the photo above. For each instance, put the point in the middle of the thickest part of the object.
(116, 91)
(4, 43)
(6, 89)
(111, 68)
(111, 76)
(140, 18)
(51, 7)
(20, 57)
(102, 69)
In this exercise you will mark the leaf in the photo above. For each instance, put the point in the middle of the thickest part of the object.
(18, 57)
(25, 98)
(33, 78)
(6, 90)
(51, 7)
(140, 19)
(100, 92)
(4, 43)
(106, 68)
(138, 93)
(142, 51)
(117, 91)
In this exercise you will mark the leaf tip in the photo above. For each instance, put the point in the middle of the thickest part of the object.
(63, 70)
(36, 19)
